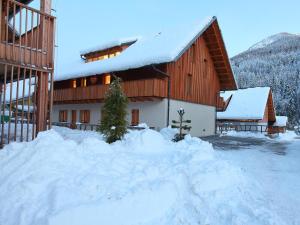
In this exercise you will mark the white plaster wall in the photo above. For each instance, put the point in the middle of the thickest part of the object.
(95, 109)
(153, 113)
(202, 117)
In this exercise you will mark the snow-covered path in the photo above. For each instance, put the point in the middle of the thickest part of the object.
(74, 177)
(273, 164)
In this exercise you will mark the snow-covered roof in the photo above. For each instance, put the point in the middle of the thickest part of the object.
(25, 108)
(20, 90)
(281, 121)
(226, 94)
(246, 104)
(163, 47)
(111, 44)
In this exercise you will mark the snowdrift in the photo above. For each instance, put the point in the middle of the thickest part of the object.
(74, 177)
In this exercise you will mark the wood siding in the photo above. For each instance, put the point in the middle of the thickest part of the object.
(133, 89)
(29, 38)
(198, 64)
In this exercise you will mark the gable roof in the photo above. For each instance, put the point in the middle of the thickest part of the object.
(163, 47)
(246, 104)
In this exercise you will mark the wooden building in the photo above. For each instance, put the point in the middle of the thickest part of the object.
(160, 74)
(26, 68)
(250, 109)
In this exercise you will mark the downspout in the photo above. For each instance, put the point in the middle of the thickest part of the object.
(169, 91)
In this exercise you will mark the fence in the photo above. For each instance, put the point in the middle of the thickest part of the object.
(239, 127)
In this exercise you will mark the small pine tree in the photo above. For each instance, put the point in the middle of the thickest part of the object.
(113, 124)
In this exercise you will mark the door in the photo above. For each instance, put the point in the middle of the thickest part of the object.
(74, 116)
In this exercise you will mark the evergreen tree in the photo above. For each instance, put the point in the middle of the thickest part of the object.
(113, 124)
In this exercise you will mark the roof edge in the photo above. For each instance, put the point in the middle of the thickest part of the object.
(213, 19)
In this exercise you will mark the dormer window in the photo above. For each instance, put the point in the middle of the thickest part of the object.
(102, 54)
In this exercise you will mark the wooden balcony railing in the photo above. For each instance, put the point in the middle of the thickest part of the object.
(150, 88)
(26, 35)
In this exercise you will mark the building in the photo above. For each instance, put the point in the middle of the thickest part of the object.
(250, 109)
(160, 74)
(26, 68)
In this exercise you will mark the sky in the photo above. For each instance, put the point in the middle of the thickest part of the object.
(80, 24)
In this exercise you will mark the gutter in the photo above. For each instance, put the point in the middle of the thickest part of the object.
(169, 90)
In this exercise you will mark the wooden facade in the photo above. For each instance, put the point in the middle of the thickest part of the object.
(137, 90)
(26, 67)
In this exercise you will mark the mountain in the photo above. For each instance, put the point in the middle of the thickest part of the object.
(274, 62)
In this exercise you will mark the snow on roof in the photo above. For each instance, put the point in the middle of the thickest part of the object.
(226, 94)
(281, 121)
(111, 44)
(166, 46)
(20, 91)
(246, 104)
(25, 108)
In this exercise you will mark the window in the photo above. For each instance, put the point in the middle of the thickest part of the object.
(135, 120)
(74, 84)
(63, 116)
(83, 82)
(189, 79)
(84, 116)
(107, 79)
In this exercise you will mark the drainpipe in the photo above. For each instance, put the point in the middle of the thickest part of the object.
(169, 91)
(1, 116)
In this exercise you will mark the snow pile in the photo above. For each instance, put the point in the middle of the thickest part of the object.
(74, 177)
(246, 104)
(245, 134)
(287, 136)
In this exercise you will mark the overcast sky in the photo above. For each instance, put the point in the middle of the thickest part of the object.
(243, 23)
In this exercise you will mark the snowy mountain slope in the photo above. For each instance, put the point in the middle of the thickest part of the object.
(270, 40)
(273, 62)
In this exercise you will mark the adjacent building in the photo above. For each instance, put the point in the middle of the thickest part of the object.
(26, 69)
(250, 109)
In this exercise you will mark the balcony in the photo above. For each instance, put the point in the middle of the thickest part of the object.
(137, 90)
(26, 35)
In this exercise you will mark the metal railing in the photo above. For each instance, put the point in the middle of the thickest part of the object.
(242, 127)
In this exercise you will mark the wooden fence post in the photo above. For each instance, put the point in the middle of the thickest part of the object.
(41, 102)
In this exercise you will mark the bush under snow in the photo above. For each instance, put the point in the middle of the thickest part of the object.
(74, 177)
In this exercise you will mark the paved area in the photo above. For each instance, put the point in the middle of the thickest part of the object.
(239, 143)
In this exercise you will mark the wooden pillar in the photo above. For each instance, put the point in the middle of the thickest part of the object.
(1, 20)
(42, 84)
(42, 101)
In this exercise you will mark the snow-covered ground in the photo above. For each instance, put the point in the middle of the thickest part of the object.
(74, 177)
